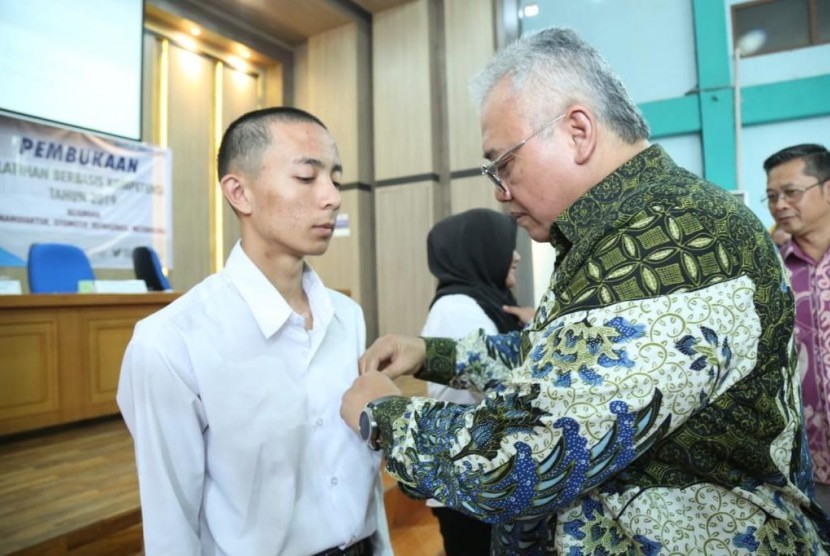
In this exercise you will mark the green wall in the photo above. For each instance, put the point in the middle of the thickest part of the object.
(709, 110)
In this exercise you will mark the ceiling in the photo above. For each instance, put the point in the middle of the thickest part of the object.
(272, 27)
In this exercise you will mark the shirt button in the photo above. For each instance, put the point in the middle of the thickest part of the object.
(320, 422)
(334, 481)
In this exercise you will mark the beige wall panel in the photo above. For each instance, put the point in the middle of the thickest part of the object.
(475, 192)
(301, 85)
(273, 86)
(469, 43)
(367, 273)
(335, 67)
(402, 91)
(333, 90)
(150, 89)
(365, 104)
(239, 95)
(190, 137)
(405, 286)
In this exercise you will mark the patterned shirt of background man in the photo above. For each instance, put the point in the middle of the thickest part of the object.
(811, 286)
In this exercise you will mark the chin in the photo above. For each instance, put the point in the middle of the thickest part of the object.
(539, 235)
(318, 250)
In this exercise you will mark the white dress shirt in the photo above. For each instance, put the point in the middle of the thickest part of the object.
(454, 316)
(235, 412)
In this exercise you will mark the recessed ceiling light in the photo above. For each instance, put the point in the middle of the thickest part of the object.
(236, 62)
(531, 10)
(188, 43)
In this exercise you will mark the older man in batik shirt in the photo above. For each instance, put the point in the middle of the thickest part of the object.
(649, 408)
(653, 405)
(799, 199)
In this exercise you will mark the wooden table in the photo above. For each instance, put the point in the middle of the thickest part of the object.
(60, 355)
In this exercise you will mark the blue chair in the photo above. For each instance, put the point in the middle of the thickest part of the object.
(148, 268)
(57, 268)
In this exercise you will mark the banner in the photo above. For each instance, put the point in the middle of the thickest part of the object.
(102, 195)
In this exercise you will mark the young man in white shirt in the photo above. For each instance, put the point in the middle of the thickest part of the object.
(232, 392)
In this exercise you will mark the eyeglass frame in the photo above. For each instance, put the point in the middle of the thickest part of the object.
(791, 195)
(491, 169)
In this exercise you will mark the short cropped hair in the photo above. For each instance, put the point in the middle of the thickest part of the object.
(553, 69)
(249, 135)
(816, 159)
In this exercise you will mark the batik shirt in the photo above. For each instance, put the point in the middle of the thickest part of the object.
(651, 407)
(811, 285)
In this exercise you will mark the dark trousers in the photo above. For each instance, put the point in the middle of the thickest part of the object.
(463, 535)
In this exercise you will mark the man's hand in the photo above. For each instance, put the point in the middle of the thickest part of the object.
(367, 387)
(394, 355)
(524, 314)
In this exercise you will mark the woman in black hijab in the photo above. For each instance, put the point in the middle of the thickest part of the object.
(473, 256)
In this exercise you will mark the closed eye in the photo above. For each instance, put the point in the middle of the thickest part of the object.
(503, 165)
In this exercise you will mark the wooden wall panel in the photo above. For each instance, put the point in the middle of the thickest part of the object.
(474, 192)
(150, 89)
(190, 109)
(273, 85)
(469, 46)
(402, 91)
(334, 84)
(300, 77)
(333, 90)
(367, 266)
(405, 286)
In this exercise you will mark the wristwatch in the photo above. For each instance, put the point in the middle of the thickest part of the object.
(369, 430)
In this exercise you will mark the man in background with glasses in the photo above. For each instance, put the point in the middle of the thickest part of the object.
(798, 194)
(652, 405)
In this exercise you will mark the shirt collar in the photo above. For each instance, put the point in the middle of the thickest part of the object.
(787, 248)
(580, 220)
(267, 305)
(791, 249)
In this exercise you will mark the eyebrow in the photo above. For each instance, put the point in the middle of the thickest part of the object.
(317, 163)
(786, 186)
(492, 154)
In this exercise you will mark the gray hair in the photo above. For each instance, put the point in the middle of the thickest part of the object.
(554, 68)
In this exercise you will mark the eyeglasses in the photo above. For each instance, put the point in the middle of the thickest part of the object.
(491, 170)
(791, 194)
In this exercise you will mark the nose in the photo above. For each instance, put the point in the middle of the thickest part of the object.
(503, 194)
(331, 196)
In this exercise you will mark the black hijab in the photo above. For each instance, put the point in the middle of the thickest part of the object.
(470, 253)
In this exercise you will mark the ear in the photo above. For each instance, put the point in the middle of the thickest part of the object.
(582, 126)
(236, 193)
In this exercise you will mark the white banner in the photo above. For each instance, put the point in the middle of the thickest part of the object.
(102, 195)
